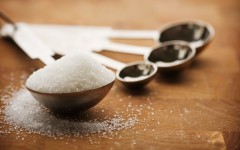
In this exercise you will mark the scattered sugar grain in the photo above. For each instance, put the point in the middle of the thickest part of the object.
(131, 113)
(72, 73)
(24, 112)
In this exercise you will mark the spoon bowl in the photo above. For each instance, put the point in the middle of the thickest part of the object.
(137, 74)
(71, 102)
(171, 57)
(133, 75)
(197, 33)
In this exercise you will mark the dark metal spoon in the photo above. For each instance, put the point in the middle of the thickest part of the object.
(197, 33)
(133, 75)
(173, 56)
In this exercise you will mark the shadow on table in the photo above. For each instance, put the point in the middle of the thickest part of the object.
(202, 63)
(173, 78)
(84, 116)
(144, 91)
(199, 65)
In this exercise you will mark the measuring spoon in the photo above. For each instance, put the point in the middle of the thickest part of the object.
(198, 33)
(172, 56)
(72, 102)
(132, 75)
(58, 102)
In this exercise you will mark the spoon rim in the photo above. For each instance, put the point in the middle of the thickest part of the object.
(174, 63)
(198, 22)
(155, 69)
(69, 94)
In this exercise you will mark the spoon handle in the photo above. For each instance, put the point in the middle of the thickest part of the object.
(125, 48)
(106, 61)
(134, 34)
(29, 42)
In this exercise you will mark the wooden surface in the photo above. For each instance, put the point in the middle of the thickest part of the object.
(198, 110)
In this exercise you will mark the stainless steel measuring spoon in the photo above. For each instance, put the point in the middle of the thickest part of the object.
(197, 33)
(132, 75)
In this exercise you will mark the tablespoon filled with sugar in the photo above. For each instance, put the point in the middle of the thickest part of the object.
(133, 75)
(73, 83)
(68, 85)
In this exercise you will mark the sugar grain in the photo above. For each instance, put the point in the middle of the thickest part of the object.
(23, 111)
(72, 73)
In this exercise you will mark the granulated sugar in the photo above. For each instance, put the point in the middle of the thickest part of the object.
(124, 117)
(72, 73)
(23, 111)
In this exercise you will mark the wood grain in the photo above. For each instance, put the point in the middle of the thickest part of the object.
(200, 109)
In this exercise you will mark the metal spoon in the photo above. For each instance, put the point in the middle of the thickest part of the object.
(71, 102)
(57, 102)
(169, 57)
(197, 33)
(68, 103)
(132, 75)
(172, 56)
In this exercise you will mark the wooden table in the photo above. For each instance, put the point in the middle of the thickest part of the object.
(198, 110)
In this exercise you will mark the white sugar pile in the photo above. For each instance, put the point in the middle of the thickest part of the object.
(72, 73)
(23, 111)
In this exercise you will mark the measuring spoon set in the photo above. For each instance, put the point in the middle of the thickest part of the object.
(177, 44)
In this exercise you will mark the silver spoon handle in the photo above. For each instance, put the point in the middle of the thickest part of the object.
(106, 61)
(134, 34)
(125, 48)
(30, 43)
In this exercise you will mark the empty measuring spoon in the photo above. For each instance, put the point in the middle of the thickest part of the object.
(197, 33)
(172, 56)
(133, 75)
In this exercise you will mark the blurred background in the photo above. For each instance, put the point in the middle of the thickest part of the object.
(209, 89)
(132, 14)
